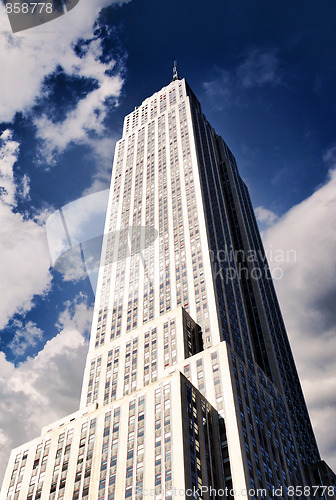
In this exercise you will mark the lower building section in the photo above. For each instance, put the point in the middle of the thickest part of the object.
(162, 442)
(208, 429)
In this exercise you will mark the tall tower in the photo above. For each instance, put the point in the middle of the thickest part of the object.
(190, 388)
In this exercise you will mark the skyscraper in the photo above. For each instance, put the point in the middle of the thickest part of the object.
(190, 389)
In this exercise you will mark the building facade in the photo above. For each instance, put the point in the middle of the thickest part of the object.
(190, 388)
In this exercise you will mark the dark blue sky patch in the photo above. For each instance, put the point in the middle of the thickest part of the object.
(62, 94)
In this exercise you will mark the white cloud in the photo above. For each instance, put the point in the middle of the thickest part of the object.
(307, 295)
(26, 335)
(46, 387)
(9, 151)
(90, 112)
(76, 315)
(265, 216)
(71, 265)
(24, 263)
(30, 55)
(24, 187)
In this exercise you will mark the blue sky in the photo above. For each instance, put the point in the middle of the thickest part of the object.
(265, 75)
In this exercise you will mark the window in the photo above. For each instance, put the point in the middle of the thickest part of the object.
(140, 449)
(131, 419)
(116, 427)
(140, 431)
(112, 479)
(129, 471)
(105, 447)
(168, 475)
(84, 427)
(139, 467)
(167, 404)
(131, 436)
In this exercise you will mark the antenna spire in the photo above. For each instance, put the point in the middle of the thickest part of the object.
(175, 71)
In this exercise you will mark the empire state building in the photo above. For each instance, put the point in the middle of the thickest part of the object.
(190, 388)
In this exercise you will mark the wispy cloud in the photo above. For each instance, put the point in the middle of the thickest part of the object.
(307, 294)
(259, 68)
(102, 150)
(76, 315)
(265, 216)
(330, 156)
(26, 335)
